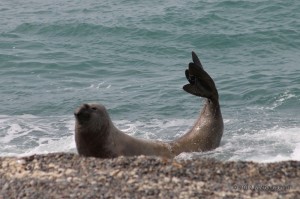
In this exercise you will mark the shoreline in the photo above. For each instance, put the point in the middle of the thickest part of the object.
(67, 175)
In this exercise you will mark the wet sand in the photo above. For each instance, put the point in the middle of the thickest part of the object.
(61, 175)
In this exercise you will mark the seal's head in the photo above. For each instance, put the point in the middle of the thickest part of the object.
(92, 128)
(92, 118)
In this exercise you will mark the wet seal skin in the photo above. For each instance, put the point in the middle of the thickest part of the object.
(97, 136)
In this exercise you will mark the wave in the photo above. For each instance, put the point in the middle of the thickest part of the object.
(269, 145)
(29, 134)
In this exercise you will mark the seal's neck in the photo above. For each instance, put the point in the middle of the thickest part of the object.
(211, 107)
(93, 141)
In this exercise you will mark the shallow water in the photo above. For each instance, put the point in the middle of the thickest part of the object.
(131, 56)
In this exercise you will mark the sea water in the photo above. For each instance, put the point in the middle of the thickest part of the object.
(131, 56)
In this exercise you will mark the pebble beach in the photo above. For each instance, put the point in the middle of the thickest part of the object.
(67, 175)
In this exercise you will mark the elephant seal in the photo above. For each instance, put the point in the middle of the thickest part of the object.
(96, 135)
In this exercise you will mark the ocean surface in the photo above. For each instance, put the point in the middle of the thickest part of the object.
(131, 56)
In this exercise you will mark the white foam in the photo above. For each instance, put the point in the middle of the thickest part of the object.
(64, 144)
(296, 153)
(100, 85)
(278, 101)
(28, 134)
(270, 145)
(185, 156)
(156, 128)
(281, 99)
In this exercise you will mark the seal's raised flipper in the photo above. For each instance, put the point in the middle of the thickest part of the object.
(200, 83)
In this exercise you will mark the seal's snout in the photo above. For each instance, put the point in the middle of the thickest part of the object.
(82, 113)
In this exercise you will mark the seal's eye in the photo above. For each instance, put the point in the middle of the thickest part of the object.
(94, 108)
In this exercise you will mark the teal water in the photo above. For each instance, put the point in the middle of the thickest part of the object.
(131, 56)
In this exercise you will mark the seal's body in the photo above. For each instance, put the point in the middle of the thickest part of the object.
(96, 135)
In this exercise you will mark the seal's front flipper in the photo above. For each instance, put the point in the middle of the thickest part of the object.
(201, 84)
